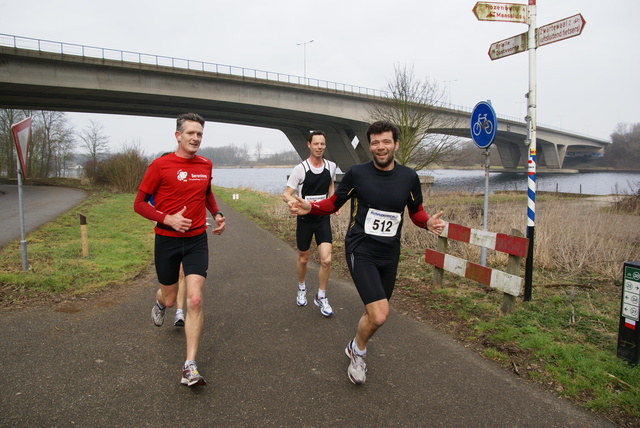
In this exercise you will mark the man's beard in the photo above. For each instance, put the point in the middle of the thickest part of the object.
(390, 159)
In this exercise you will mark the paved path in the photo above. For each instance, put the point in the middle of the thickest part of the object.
(41, 204)
(100, 362)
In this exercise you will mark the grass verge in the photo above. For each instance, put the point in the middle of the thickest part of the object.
(119, 250)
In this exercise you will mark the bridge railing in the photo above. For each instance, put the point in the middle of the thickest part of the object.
(187, 64)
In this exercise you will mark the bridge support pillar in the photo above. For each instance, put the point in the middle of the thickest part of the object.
(339, 144)
(362, 149)
(340, 148)
(510, 154)
(298, 139)
(553, 154)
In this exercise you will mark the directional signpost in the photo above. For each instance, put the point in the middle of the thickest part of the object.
(561, 30)
(529, 41)
(510, 46)
(547, 34)
(506, 12)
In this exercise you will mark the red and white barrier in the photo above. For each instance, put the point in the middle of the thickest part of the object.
(507, 283)
(513, 245)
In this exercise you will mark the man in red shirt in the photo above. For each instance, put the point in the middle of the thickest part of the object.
(180, 183)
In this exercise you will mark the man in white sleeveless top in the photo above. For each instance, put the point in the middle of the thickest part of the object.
(313, 180)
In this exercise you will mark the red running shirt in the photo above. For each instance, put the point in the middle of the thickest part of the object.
(175, 183)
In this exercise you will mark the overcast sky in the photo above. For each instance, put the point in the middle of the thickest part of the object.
(586, 84)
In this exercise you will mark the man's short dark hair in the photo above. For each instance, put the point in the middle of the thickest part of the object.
(382, 126)
(194, 117)
(312, 133)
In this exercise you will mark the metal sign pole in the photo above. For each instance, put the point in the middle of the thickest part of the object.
(531, 170)
(483, 128)
(22, 136)
(485, 222)
(23, 239)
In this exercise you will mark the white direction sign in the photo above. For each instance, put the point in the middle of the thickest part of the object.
(507, 12)
(510, 46)
(560, 30)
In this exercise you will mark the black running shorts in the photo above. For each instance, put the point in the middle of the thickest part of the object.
(306, 229)
(374, 277)
(192, 252)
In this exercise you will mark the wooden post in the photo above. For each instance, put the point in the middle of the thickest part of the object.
(513, 267)
(438, 273)
(83, 233)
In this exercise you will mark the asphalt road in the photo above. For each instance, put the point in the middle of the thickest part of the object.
(41, 204)
(98, 361)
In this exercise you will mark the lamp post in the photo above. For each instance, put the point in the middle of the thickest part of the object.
(520, 107)
(304, 46)
(448, 82)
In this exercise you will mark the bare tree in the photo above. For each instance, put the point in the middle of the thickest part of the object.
(94, 141)
(243, 153)
(624, 151)
(51, 143)
(95, 144)
(258, 150)
(414, 107)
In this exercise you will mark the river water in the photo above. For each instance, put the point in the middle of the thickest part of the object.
(273, 180)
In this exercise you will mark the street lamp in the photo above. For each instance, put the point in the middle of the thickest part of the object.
(449, 86)
(520, 108)
(304, 46)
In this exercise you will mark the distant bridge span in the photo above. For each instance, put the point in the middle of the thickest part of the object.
(42, 75)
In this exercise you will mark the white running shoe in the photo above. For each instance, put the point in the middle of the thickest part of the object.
(323, 304)
(301, 300)
(179, 320)
(357, 367)
(191, 376)
(157, 315)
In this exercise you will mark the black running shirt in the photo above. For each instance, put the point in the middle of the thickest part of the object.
(315, 187)
(378, 199)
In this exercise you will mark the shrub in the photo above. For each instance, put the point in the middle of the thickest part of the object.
(629, 204)
(122, 172)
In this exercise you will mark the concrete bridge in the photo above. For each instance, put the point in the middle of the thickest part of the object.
(44, 75)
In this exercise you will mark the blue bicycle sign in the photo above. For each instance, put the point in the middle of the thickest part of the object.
(483, 125)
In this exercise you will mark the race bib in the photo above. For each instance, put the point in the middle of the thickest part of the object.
(381, 223)
(315, 198)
